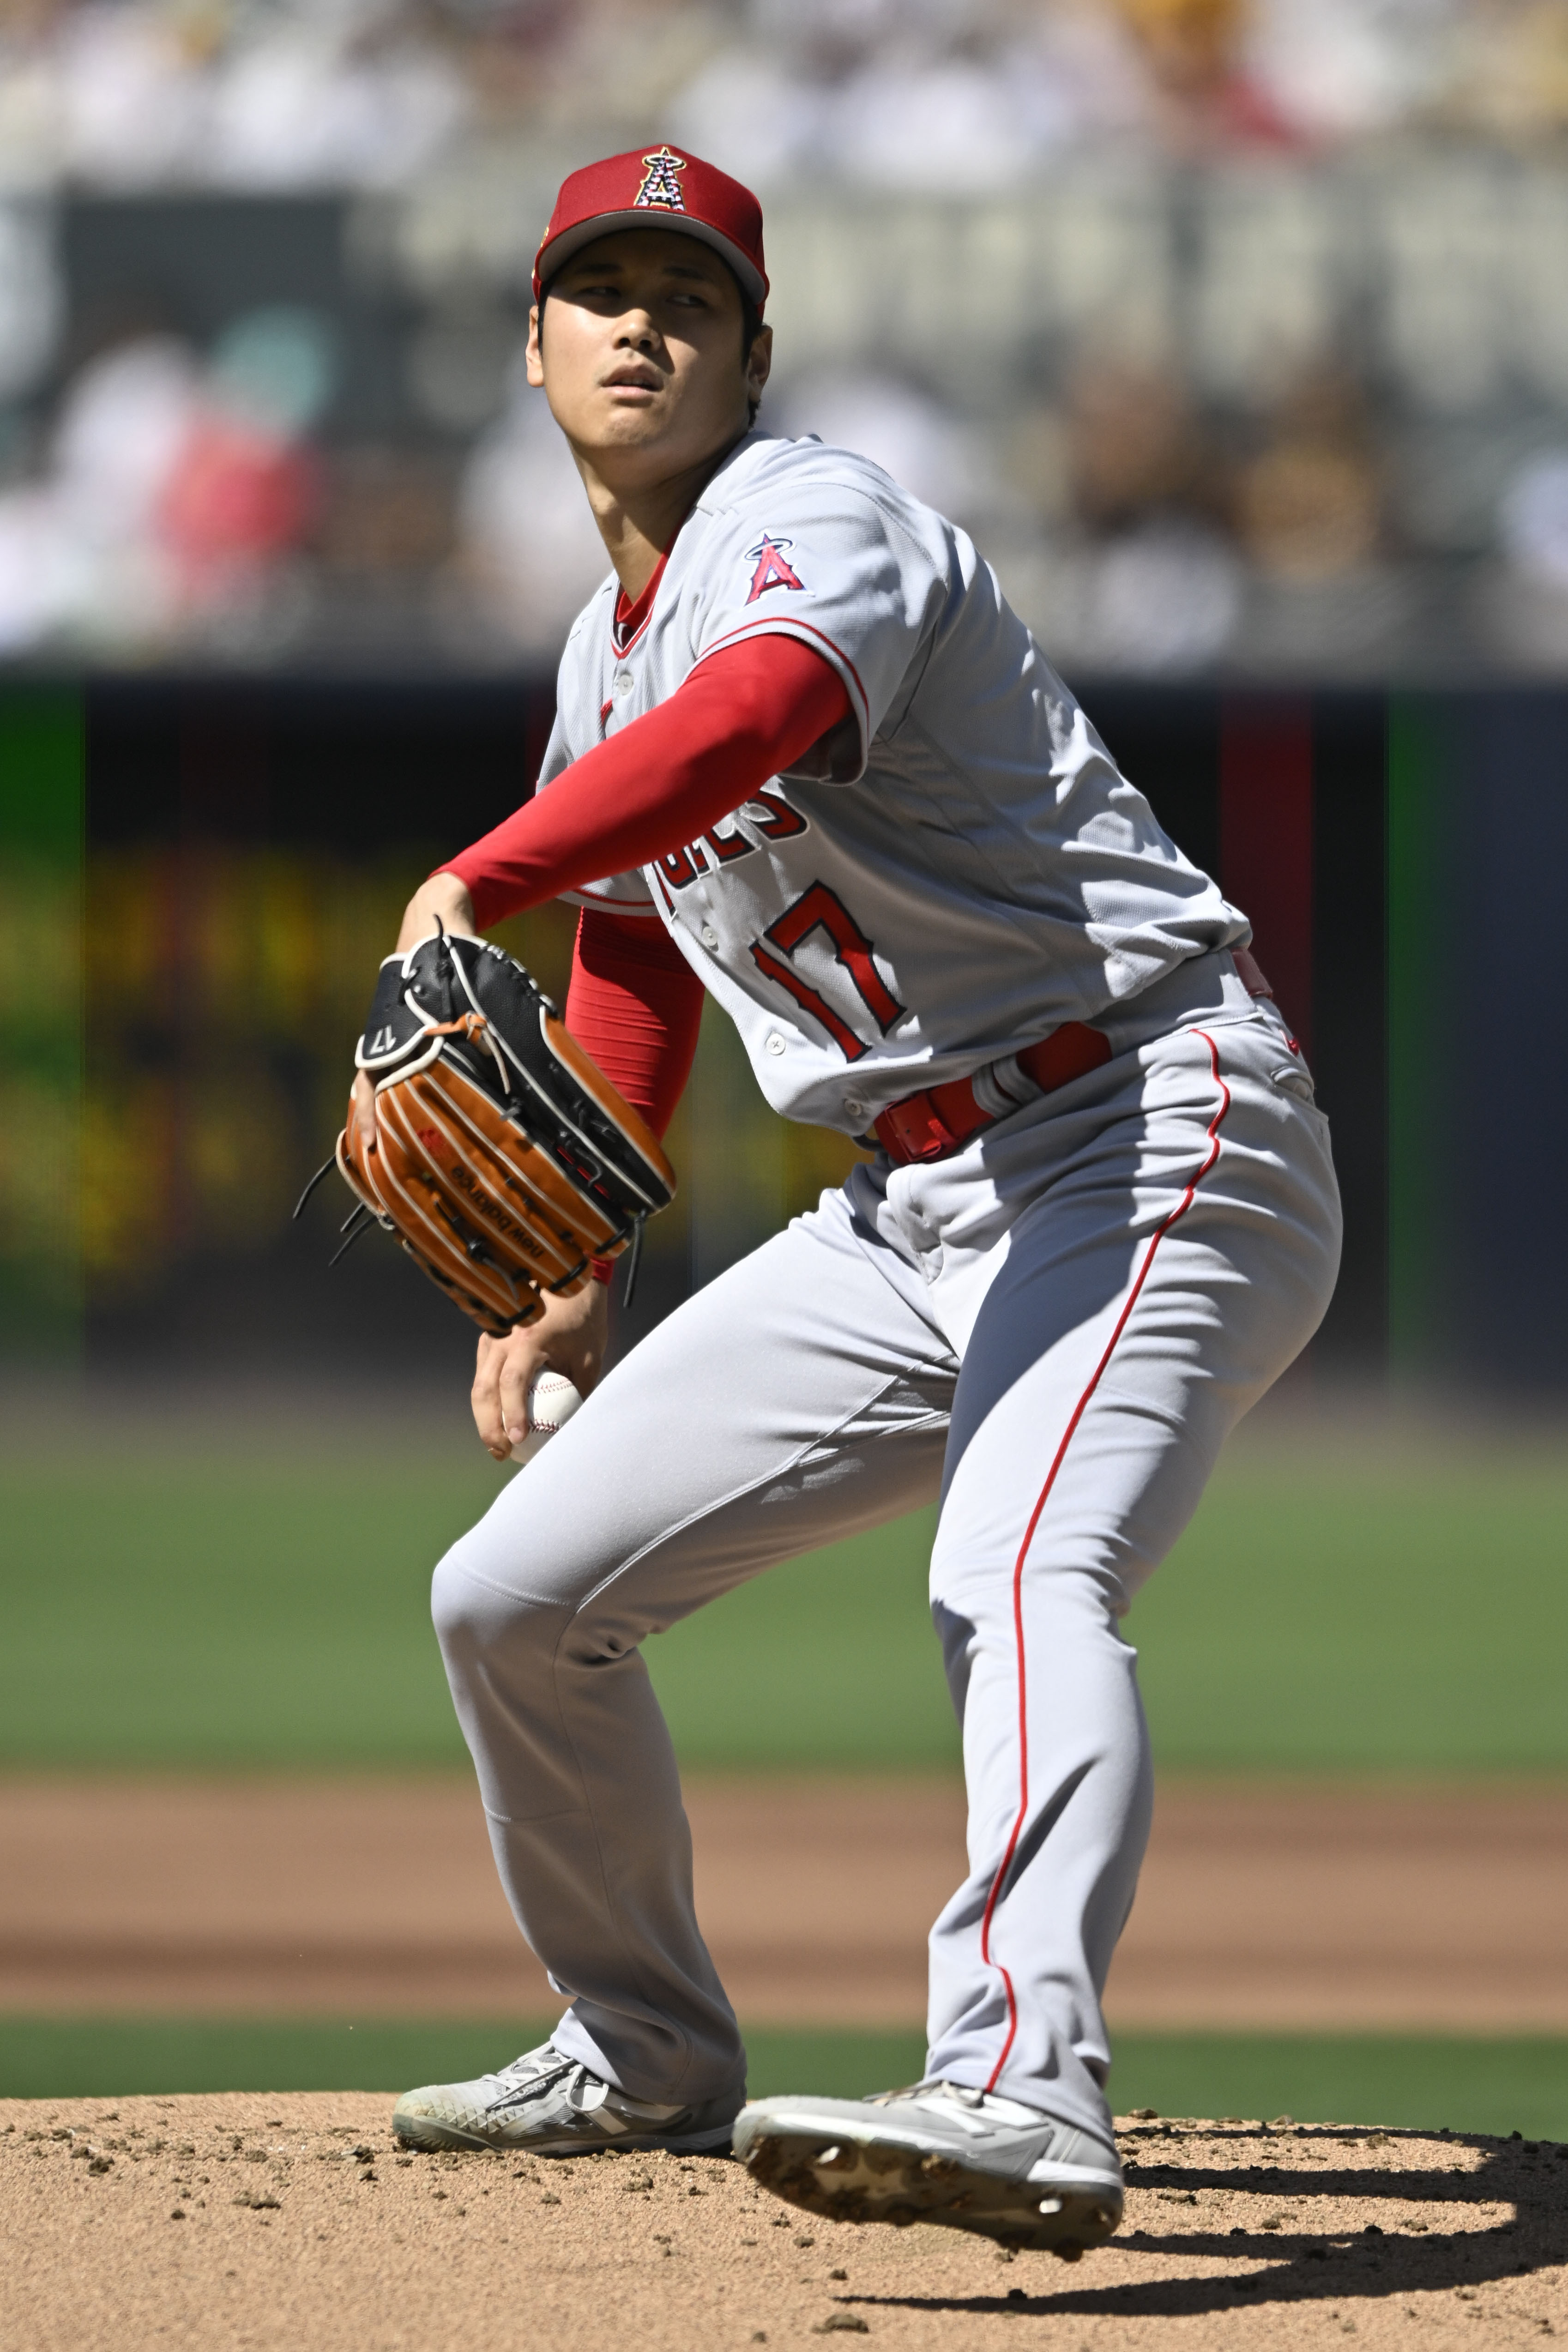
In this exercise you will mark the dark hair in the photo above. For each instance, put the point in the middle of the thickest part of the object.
(751, 316)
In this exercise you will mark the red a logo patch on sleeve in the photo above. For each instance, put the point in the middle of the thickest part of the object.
(773, 571)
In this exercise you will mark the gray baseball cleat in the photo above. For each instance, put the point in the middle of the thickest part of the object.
(550, 2104)
(938, 2152)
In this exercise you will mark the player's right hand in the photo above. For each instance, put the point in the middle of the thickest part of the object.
(570, 1338)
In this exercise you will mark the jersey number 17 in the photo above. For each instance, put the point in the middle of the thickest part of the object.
(821, 910)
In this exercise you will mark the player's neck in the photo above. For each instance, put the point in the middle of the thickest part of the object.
(638, 520)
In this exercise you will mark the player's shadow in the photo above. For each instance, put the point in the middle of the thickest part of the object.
(1529, 2178)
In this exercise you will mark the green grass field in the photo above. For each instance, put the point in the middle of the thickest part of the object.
(1512, 2085)
(1337, 1606)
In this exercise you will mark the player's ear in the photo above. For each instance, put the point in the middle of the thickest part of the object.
(760, 362)
(536, 359)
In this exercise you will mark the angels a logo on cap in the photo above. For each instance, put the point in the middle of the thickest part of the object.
(661, 189)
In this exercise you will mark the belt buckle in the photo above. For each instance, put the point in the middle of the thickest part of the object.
(918, 1128)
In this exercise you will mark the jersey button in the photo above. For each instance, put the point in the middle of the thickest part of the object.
(774, 1043)
(853, 1107)
(621, 685)
(710, 936)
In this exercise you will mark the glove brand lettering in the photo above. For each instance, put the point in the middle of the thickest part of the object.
(483, 1205)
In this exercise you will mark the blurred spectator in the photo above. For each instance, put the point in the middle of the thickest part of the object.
(1521, 609)
(130, 94)
(32, 299)
(1309, 504)
(941, 100)
(386, 513)
(1192, 46)
(140, 93)
(977, 210)
(1195, 53)
(910, 436)
(936, 95)
(1038, 465)
(529, 547)
(1165, 597)
(1334, 69)
(296, 106)
(171, 491)
(234, 498)
(1506, 70)
(1134, 445)
(1535, 520)
(756, 116)
(949, 126)
(460, 362)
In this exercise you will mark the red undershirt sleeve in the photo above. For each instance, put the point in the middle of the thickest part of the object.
(743, 715)
(636, 1005)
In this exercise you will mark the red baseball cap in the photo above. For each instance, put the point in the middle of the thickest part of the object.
(661, 189)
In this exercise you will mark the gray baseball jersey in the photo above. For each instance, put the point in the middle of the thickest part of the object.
(932, 888)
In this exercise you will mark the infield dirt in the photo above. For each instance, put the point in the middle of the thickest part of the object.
(1291, 1908)
(268, 2220)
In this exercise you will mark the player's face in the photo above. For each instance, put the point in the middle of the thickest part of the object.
(641, 359)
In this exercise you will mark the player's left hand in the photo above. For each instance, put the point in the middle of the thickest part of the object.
(441, 899)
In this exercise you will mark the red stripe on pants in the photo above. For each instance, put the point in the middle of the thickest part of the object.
(1158, 1235)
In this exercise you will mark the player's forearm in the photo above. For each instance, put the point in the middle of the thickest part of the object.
(740, 716)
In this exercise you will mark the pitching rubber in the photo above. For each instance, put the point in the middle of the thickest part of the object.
(848, 2179)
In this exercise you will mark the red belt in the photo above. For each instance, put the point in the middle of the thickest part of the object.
(929, 1125)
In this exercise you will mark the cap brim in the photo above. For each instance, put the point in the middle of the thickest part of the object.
(559, 249)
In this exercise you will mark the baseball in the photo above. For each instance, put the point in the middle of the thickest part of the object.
(551, 1402)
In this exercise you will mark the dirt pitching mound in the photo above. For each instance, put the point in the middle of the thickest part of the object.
(294, 2220)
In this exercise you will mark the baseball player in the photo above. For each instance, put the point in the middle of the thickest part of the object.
(808, 761)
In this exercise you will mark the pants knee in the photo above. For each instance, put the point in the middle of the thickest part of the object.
(478, 1625)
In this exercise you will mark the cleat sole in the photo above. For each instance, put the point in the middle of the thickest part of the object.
(841, 2180)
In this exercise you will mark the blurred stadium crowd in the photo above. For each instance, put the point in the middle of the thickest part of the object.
(1236, 330)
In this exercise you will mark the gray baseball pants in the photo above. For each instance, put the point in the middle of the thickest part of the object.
(1052, 1330)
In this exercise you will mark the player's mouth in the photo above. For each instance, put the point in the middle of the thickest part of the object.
(636, 383)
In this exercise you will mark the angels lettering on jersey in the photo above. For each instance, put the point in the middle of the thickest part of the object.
(753, 825)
